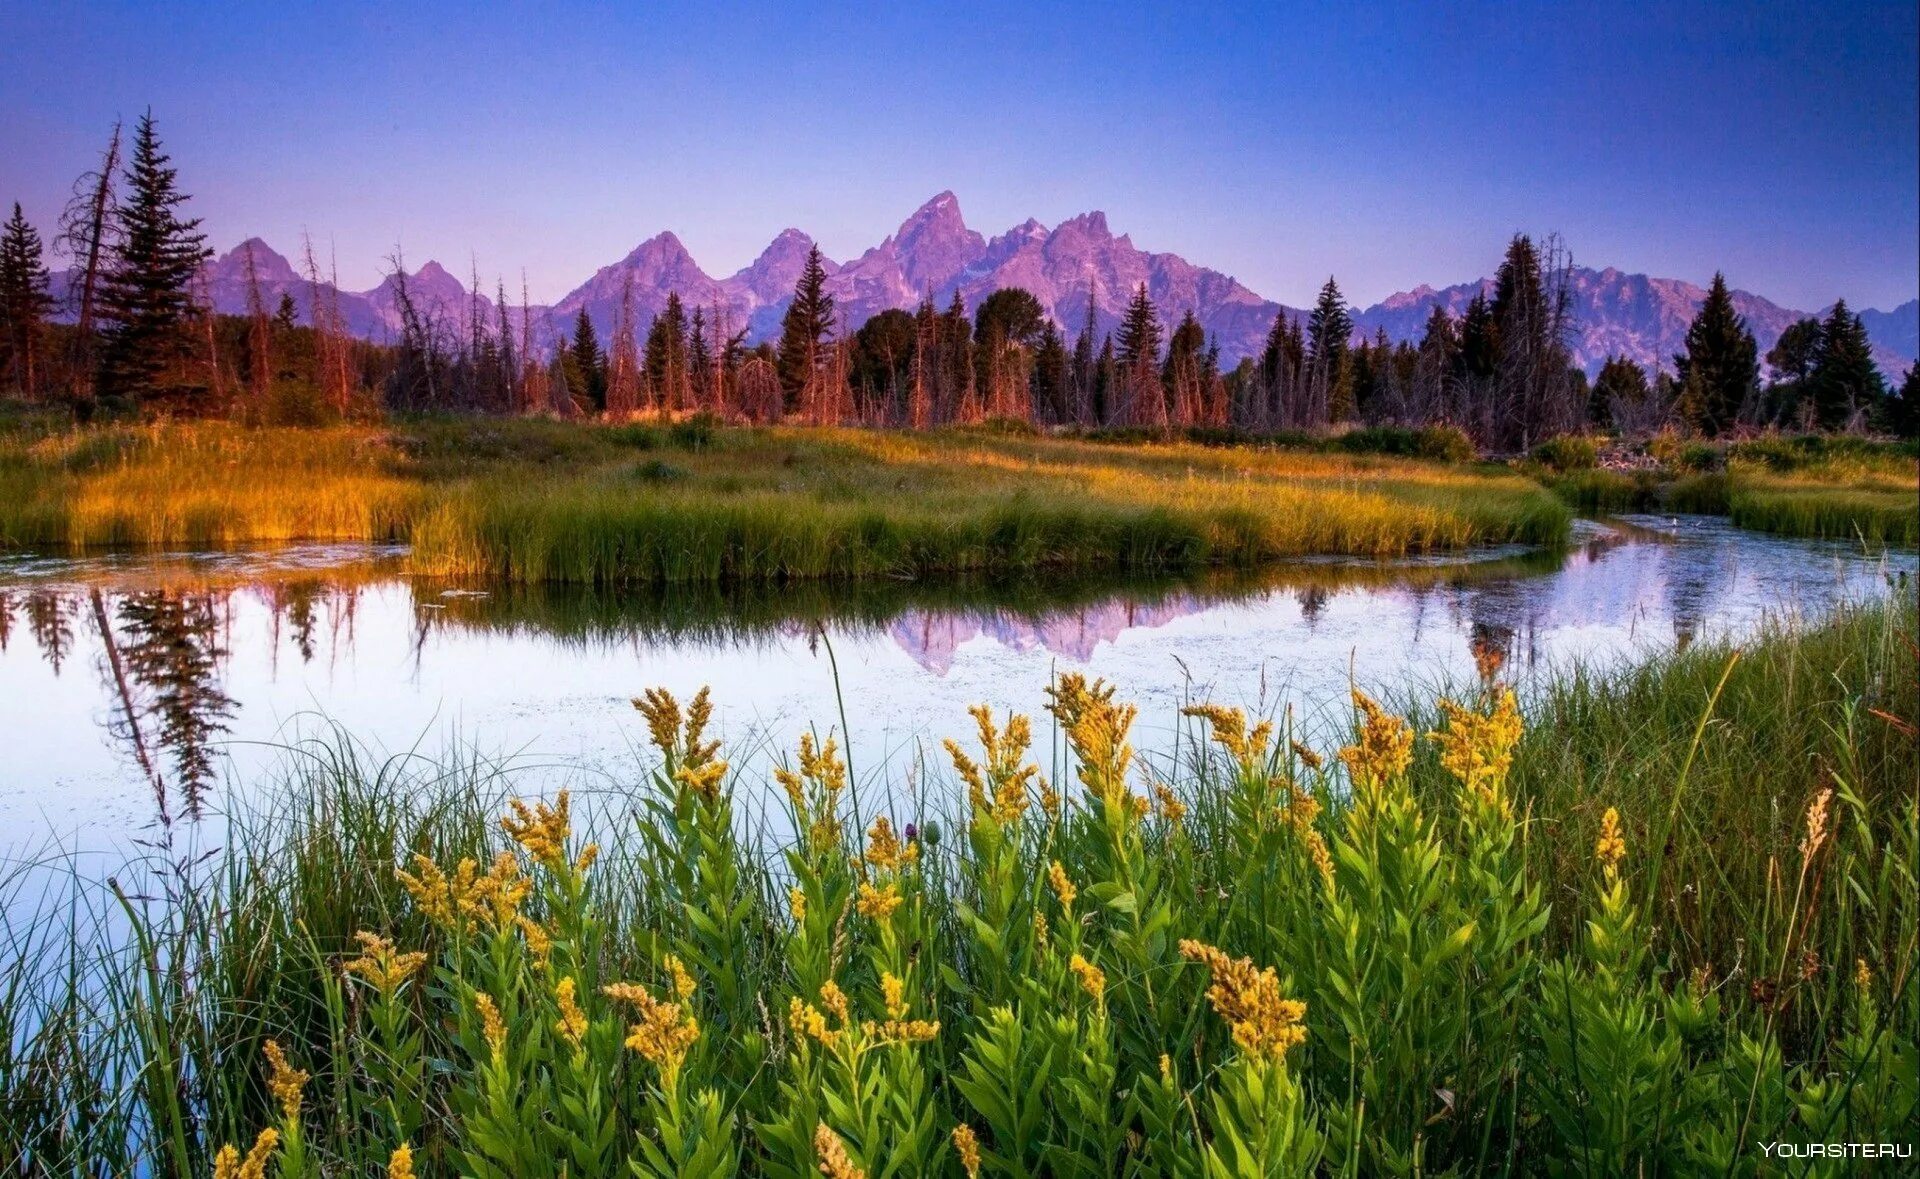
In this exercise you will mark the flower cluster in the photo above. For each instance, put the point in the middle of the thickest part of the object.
(1610, 848)
(1477, 748)
(228, 1164)
(665, 1033)
(1000, 788)
(541, 829)
(1265, 1024)
(454, 901)
(384, 967)
(285, 1082)
(1384, 749)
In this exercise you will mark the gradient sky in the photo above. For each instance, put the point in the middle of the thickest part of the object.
(1777, 142)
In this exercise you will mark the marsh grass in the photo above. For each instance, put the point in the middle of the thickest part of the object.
(1669, 917)
(548, 501)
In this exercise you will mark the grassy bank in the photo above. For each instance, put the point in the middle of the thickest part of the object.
(1834, 488)
(1670, 917)
(537, 501)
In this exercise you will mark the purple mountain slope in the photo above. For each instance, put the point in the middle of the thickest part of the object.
(935, 253)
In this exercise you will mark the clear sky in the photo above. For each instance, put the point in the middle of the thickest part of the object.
(1279, 143)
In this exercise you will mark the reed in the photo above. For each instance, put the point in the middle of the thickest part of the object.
(1666, 916)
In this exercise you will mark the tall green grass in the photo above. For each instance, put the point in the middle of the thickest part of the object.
(1059, 968)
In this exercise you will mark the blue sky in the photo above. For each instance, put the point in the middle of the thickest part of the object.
(1281, 144)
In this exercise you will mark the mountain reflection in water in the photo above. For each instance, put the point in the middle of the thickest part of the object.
(134, 683)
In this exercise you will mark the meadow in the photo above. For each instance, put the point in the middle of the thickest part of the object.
(1663, 917)
(636, 504)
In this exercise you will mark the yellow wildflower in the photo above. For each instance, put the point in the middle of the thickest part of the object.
(539, 941)
(1040, 926)
(228, 1164)
(1817, 824)
(967, 1145)
(901, 1031)
(703, 780)
(1264, 1024)
(588, 855)
(796, 791)
(1168, 804)
(885, 851)
(1049, 799)
(877, 904)
(1138, 806)
(1610, 849)
(1308, 757)
(572, 1022)
(1384, 749)
(491, 1025)
(834, 1162)
(663, 718)
(1092, 979)
(541, 829)
(1062, 885)
(1477, 748)
(807, 1021)
(1228, 728)
(380, 965)
(1166, 1067)
(665, 1032)
(284, 1081)
(1097, 729)
(835, 1000)
(400, 1165)
(695, 751)
(1862, 974)
(894, 993)
(797, 903)
(444, 900)
(682, 981)
(496, 896)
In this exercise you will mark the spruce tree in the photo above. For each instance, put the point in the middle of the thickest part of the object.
(1902, 414)
(586, 369)
(145, 298)
(1845, 381)
(805, 327)
(1618, 392)
(1720, 369)
(1329, 326)
(24, 305)
(1139, 341)
(1791, 361)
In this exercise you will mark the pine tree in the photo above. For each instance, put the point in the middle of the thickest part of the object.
(1329, 326)
(1791, 361)
(804, 329)
(1845, 381)
(666, 355)
(1720, 370)
(1618, 394)
(1085, 359)
(1053, 396)
(24, 305)
(1902, 415)
(145, 298)
(1182, 374)
(1138, 357)
(586, 367)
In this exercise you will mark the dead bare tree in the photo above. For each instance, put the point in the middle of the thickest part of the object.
(623, 365)
(259, 365)
(83, 237)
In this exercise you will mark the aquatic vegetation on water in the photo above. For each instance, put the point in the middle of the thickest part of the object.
(1437, 949)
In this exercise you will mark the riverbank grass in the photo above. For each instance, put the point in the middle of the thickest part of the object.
(546, 501)
(1666, 916)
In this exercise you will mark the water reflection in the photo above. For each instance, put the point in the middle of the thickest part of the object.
(131, 679)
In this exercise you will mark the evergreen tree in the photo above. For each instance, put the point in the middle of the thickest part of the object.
(286, 316)
(586, 369)
(1139, 361)
(1791, 361)
(1902, 415)
(1085, 362)
(24, 305)
(1053, 376)
(1845, 381)
(1139, 341)
(1720, 370)
(145, 297)
(1182, 373)
(1329, 328)
(1619, 394)
(666, 355)
(958, 401)
(804, 328)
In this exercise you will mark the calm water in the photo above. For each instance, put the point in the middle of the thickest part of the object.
(137, 687)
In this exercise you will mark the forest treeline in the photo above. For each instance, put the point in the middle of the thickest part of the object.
(138, 335)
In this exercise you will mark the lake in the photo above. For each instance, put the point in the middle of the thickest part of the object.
(145, 688)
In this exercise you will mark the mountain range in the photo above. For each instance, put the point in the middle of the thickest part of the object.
(934, 253)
